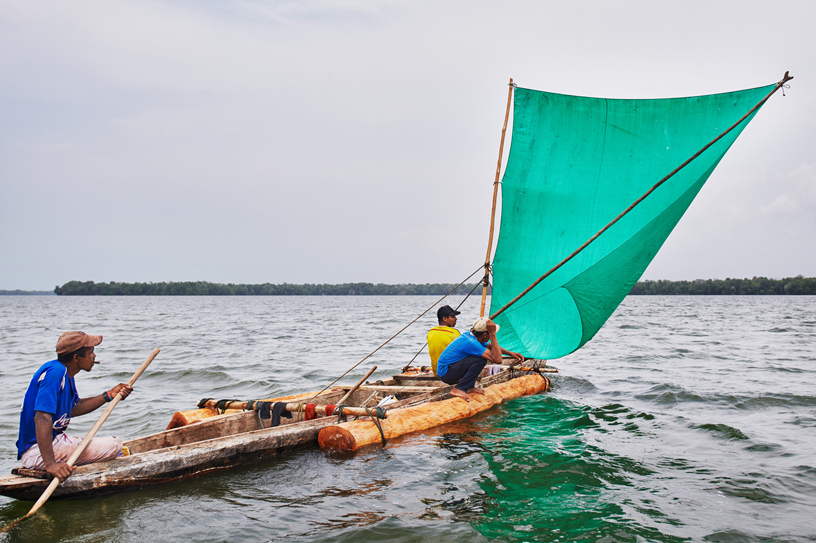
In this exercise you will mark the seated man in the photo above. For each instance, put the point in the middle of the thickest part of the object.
(50, 402)
(441, 336)
(465, 358)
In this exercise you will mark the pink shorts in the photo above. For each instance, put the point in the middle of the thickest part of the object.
(99, 449)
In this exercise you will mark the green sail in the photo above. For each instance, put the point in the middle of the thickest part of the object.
(575, 164)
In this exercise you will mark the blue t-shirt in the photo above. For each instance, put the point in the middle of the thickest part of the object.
(461, 347)
(53, 391)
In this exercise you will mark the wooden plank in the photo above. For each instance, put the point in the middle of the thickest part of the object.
(443, 393)
(416, 377)
(398, 388)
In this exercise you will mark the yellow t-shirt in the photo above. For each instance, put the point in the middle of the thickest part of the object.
(440, 337)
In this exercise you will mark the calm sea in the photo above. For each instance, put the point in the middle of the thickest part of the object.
(685, 419)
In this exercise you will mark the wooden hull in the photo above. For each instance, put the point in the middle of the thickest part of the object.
(170, 463)
(217, 442)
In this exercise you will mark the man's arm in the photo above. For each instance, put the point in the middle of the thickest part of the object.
(518, 356)
(86, 405)
(493, 353)
(43, 427)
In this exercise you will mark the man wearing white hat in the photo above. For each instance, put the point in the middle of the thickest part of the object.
(464, 359)
(50, 402)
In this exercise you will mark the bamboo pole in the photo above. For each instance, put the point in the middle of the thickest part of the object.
(292, 407)
(495, 195)
(87, 439)
(778, 86)
(356, 386)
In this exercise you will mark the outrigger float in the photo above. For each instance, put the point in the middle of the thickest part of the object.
(233, 433)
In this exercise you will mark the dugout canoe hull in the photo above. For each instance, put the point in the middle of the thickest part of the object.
(168, 464)
(208, 444)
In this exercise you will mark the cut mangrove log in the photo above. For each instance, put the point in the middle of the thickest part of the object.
(351, 436)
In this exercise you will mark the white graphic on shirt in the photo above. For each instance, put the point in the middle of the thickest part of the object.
(62, 423)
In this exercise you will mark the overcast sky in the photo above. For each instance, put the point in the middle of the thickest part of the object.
(332, 141)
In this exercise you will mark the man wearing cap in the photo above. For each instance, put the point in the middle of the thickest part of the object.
(464, 359)
(50, 402)
(441, 336)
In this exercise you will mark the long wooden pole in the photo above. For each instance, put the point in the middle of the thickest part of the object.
(87, 439)
(778, 86)
(495, 195)
(356, 386)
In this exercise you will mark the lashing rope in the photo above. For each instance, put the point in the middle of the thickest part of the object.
(379, 411)
(221, 406)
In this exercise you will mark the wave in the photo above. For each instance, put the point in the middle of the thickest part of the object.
(671, 394)
(722, 430)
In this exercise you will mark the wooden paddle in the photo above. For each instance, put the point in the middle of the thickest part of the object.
(85, 441)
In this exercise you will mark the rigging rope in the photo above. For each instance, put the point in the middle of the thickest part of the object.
(457, 308)
(398, 333)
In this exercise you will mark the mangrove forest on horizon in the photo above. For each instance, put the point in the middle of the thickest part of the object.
(798, 285)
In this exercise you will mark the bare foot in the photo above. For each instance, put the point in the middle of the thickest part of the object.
(476, 391)
(460, 394)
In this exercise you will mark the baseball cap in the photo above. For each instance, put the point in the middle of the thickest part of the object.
(446, 311)
(73, 341)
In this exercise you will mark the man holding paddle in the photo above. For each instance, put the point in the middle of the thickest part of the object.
(50, 402)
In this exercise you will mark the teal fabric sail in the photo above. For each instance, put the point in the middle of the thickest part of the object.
(575, 163)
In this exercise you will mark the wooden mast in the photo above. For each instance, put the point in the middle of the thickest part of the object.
(495, 195)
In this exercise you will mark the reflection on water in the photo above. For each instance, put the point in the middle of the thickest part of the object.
(684, 419)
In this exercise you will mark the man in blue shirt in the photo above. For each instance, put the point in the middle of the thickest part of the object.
(50, 402)
(464, 359)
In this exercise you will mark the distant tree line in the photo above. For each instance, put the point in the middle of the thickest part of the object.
(718, 287)
(204, 288)
(26, 292)
(723, 287)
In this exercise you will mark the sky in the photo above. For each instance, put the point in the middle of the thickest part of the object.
(356, 141)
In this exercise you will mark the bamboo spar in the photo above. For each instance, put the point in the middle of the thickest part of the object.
(294, 407)
(778, 86)
(356, 386)
(495, 195)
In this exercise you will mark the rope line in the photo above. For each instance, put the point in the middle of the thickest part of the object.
(398, 333)
(457, 308)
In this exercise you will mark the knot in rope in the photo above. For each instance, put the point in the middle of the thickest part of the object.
(339, 410)
(221, 406)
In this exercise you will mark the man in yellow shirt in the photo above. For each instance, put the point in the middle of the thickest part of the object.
(441, 336)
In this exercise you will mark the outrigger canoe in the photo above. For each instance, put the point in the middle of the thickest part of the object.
(202, 440)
